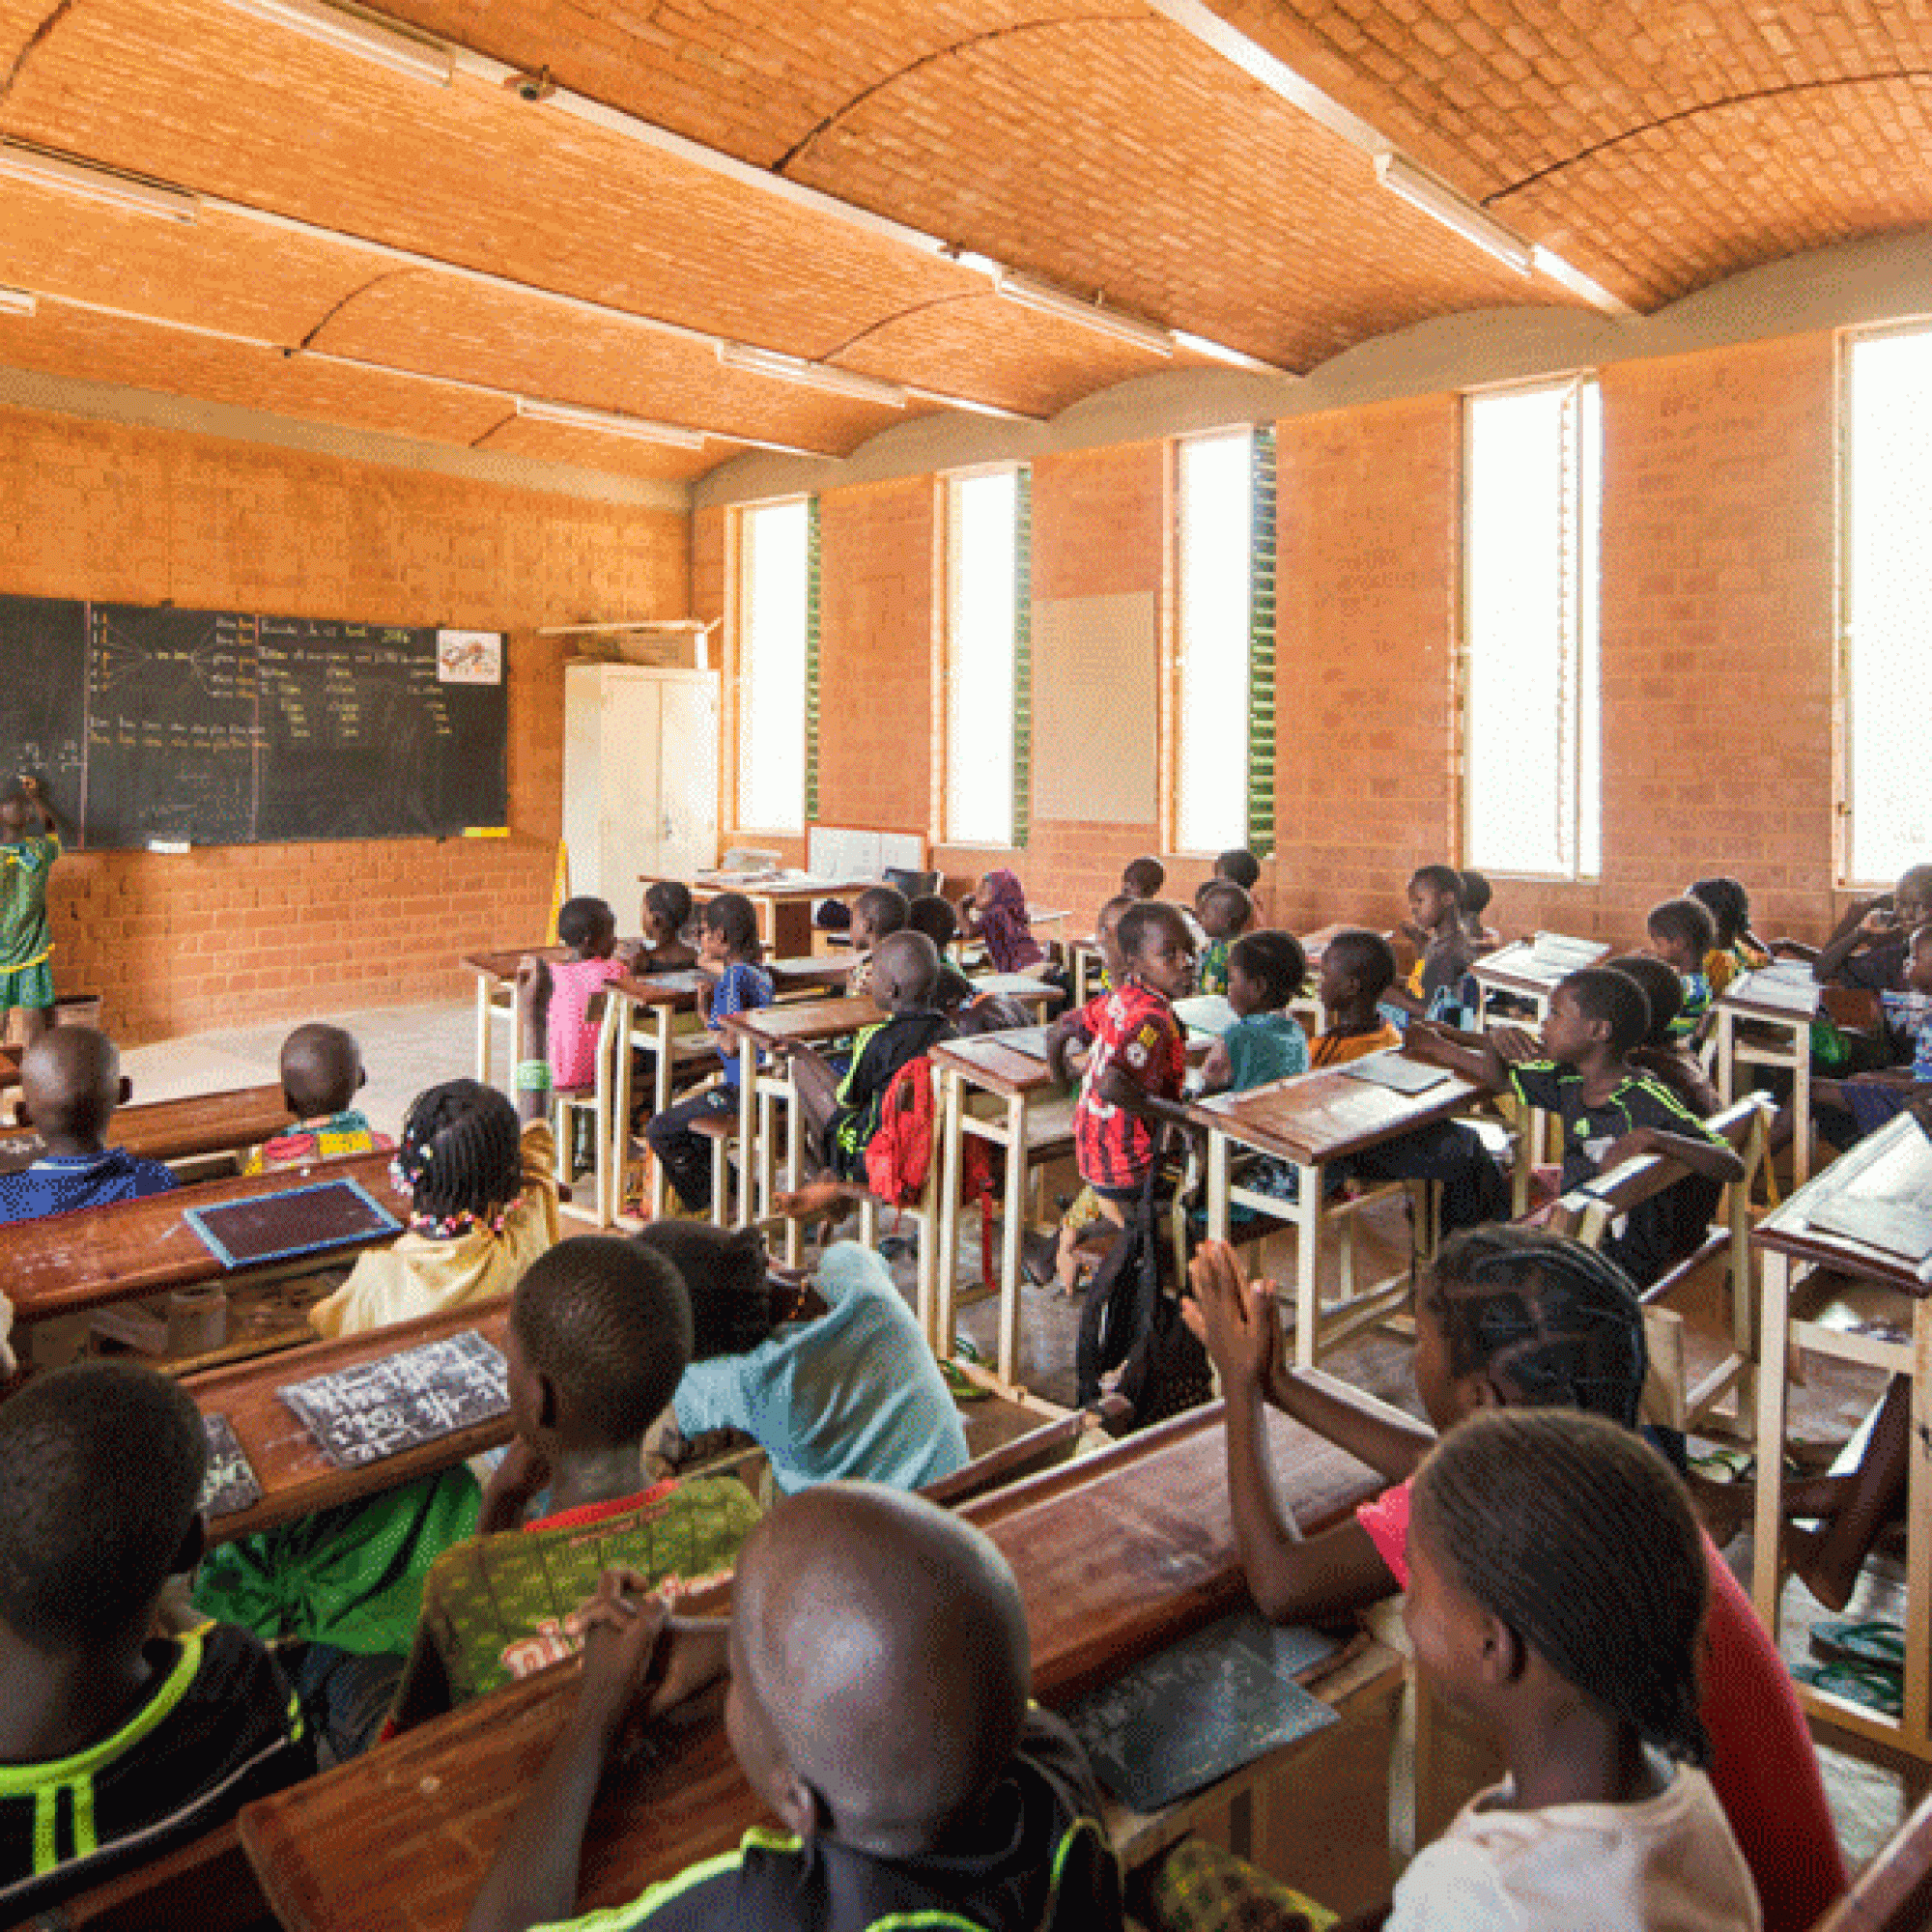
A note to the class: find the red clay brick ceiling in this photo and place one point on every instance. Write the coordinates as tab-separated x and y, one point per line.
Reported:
1091	142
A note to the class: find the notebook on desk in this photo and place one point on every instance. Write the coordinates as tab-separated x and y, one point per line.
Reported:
1887	1202
1393	1071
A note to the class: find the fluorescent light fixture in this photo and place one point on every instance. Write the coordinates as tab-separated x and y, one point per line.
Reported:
1046	300
91	183
1235	359
350	33
750	361
567	415
1441	203
17	301
1577	281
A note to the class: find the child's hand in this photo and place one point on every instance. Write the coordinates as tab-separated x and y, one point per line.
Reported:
623	1628
513	1484
1235	1322
627	952
1516	1044
1879	922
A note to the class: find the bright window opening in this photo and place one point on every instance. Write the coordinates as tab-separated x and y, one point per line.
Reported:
771	668
1214	514
982	594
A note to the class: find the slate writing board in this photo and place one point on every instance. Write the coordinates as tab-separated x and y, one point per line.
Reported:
221	728
1198	1711
297	1221
401	1402
230	1485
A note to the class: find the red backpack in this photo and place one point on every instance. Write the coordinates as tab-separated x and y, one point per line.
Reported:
899	1157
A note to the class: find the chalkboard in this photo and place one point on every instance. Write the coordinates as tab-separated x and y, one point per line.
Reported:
1197	1712
221	728
400	1402
296	1221
230	1484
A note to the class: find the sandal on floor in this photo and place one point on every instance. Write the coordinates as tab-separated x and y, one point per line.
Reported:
961	1387
1858	1684
1726	1465
1876	1645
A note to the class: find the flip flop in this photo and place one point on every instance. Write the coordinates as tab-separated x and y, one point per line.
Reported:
962	1387
1857	1684
1876	1645
1725	1465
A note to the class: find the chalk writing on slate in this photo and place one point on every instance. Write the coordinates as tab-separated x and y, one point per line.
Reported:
401	1402
230	1485
1195	1713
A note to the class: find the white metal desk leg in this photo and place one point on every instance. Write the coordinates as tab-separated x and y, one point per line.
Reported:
660	1099
1307	1262
794	1176
748	1124
483	1024
952	1094
1012	1234
1800	1108
1727	1048
1218	1162
1775	1348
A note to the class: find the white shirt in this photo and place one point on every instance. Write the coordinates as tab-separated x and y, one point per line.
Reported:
1667	1863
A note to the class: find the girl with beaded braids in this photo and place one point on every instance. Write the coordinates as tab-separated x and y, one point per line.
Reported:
1557	1586
482	1194
1506	1318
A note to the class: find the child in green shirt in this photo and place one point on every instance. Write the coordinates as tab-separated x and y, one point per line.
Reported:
29	844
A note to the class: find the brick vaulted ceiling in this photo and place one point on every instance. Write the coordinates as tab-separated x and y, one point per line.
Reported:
378	251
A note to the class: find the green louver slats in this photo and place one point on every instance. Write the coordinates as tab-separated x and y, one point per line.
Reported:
1260	650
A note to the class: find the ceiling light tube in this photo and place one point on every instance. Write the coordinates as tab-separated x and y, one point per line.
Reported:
17	301
568	415
748	360
1235	359
352	34
1046	300
1461	217
91	183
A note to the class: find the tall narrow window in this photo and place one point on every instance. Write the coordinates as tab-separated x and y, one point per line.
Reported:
1533	789
1886	593
773	607
985	611
1215	511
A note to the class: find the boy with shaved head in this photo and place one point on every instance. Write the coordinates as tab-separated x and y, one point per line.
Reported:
878	1670
321	1073
72	1082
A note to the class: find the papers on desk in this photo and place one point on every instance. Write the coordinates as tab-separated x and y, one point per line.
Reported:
1393	1071
1200	1710
230	1485
1563	955
401	1402
1887	1201
686	980
1788	987
1205	1012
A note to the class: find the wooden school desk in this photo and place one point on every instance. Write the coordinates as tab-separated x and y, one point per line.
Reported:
1310	1121
192	1128
296	1477
646	1011
1531	972
1895	1163
1033	1118
811	976
1117	1556
73	1264
497	998
782	900
801	1023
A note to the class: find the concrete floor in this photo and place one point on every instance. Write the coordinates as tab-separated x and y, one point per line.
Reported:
405	1049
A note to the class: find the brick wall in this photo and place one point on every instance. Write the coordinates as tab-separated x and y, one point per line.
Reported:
1718	558
98	510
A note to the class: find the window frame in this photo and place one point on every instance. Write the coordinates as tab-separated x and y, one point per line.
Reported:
1173	709
1589	572
741	565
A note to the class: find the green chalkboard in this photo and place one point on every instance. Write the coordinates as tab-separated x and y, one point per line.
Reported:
223	727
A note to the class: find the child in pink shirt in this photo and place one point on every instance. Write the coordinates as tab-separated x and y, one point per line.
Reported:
589	928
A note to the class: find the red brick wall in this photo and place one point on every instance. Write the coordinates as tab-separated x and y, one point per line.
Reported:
97	510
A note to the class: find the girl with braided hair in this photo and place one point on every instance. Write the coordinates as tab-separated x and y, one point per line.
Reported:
482	1194
1558	1587
1507	1318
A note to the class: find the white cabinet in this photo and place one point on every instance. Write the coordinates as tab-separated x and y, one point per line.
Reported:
640	778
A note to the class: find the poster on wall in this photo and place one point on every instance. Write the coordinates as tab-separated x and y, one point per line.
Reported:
469	657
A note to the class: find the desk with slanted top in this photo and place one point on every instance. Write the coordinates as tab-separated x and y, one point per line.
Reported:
1310	1121
775	1029
645	1012
1034	1119
1764	1019
188	1130
73	1264
496	996
1797	1258
296	1478
1117	1556
1531	969
811	976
